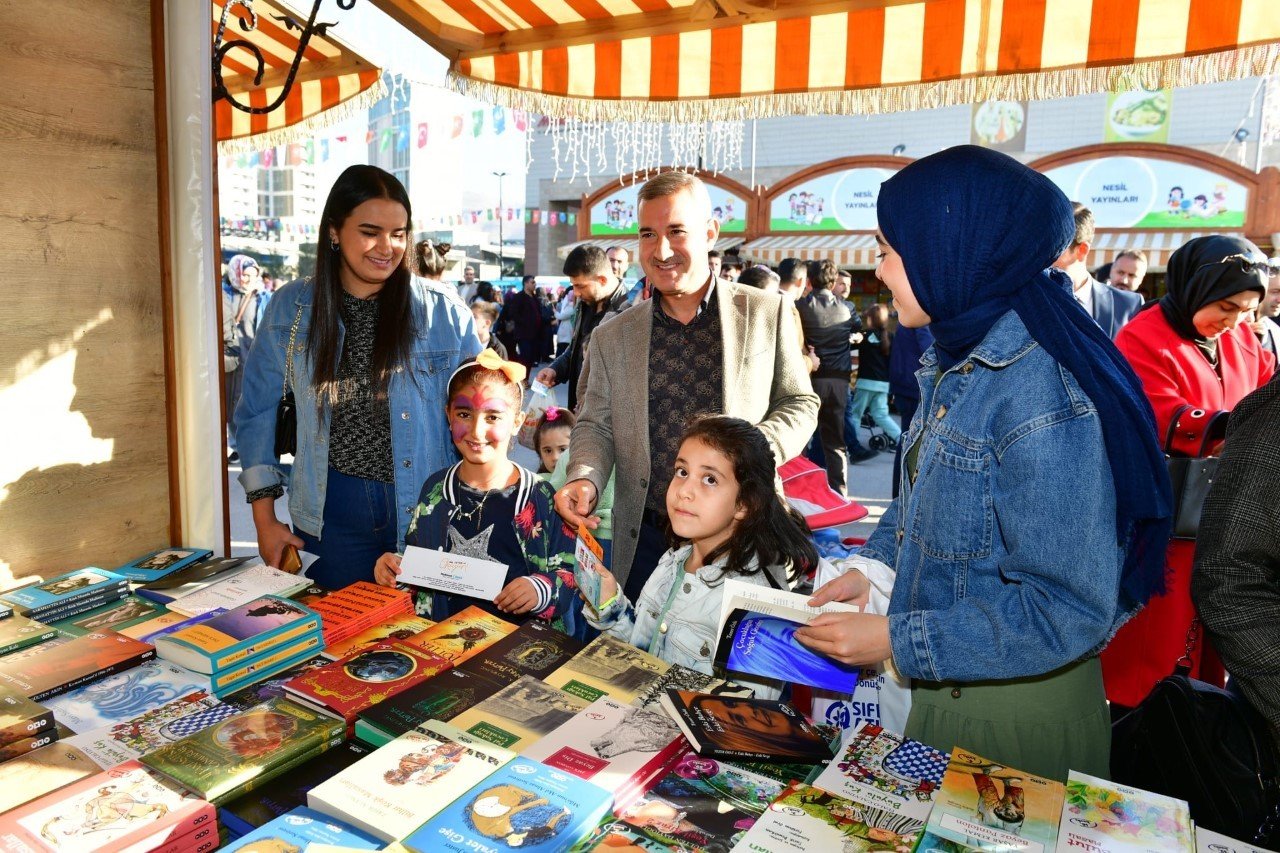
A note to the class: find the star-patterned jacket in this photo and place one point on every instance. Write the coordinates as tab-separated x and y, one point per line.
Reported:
545	543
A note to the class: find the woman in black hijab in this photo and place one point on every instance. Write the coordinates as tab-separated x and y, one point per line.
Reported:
1197	358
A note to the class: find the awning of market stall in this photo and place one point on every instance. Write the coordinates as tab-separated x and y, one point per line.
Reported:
695	60
723	244
848	251
331	79
1156	245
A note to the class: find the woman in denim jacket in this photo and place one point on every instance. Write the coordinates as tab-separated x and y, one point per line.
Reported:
1034	503
371	348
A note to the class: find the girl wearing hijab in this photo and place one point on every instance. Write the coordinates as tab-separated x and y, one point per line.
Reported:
1197	359
1034	503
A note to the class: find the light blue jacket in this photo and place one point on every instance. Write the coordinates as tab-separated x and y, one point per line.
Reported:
420	439
1005	545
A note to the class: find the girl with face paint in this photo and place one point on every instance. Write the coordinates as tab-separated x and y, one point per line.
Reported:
490	508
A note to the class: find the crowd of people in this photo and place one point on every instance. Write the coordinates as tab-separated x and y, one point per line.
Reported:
1031	574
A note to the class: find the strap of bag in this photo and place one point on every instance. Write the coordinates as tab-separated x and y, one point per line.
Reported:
288	354
1173	427
1183	664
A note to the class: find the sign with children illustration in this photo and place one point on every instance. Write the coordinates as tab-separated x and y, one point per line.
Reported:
1137	192
836	201
615	213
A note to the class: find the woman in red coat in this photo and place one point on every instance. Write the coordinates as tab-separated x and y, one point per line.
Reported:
1197	358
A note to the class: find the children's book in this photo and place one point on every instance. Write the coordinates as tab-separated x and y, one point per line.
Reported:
18	632
133	738
158	564
124	808
289	790
52	668
303	829
535	649
35	774
1098	814
441	697
731	728
985	806
20	718
892	776
348	611
679	677
399	786
348	686
124	695
520	713
608	667
115	616
765	646
234	756
229	592
239	634
463	635
618	747
524	806
400	627
805	819
62	593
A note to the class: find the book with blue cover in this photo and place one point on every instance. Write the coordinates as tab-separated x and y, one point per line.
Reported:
58	595
302	827
218	644
158	564
124	695
525	805
261	667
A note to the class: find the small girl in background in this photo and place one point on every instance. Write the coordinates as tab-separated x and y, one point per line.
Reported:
486	314
727	521
490	508
551	437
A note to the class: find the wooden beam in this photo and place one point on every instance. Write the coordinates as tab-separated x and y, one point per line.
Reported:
347	63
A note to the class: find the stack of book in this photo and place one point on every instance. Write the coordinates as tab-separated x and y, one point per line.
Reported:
64	663
245	644
400	627
352	609
17	632
68	595
155	565
24	725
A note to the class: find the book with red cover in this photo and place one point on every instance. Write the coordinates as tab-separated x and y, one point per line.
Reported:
128	807
349	685
348	611
51	669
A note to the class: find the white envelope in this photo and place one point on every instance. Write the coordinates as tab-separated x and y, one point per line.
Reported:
452	573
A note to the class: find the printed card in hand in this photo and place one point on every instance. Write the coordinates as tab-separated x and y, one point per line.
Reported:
587	565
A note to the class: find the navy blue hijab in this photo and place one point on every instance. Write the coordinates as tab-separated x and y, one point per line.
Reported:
977	231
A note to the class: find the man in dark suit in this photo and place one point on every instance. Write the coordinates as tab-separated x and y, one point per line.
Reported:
1110	308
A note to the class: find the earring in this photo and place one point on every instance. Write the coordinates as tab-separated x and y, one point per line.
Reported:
333	244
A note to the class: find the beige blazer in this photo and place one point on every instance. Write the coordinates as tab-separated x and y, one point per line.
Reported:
766	382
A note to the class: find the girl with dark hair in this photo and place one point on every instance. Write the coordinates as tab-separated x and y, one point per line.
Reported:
726	520
365	347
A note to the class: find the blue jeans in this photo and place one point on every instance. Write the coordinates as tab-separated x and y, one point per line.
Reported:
875	395
359	527
851	427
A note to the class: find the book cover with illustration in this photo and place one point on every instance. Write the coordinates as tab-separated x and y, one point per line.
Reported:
133	738
523	806
232	590
237	754
53	668
535	649
894	777
301	829
463	635
400	627
124	695
238	634
21	718
396	788
618	747
18	632
983	805
126	807
159	564
52	596
116	616
682	678
35	774
289	790
365	678
1098	814
608	667
360	605
520	713
804	819
441	697
165	623
738	729
764	646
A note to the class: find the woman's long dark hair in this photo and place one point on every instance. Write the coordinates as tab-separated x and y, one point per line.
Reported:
394	336
770	531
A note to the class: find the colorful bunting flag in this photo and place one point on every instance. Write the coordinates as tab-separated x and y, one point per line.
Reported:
422	134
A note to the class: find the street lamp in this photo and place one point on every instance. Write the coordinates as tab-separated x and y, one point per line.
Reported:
500	176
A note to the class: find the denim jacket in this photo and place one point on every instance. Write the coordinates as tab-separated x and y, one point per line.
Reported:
1005	545
420	439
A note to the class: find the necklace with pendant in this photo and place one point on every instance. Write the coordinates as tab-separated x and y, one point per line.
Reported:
471	514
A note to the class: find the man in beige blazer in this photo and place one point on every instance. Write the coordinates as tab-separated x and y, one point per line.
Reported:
698	346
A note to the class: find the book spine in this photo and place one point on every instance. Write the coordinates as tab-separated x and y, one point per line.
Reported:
28	728
257	664
257	645
28	641
103	672
67	609
371	734
262	674
175	836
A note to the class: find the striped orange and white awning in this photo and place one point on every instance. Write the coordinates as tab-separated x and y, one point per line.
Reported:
849	251
330	76
631	244
1156	245
692	60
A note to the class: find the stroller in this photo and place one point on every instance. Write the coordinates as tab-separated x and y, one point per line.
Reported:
879	439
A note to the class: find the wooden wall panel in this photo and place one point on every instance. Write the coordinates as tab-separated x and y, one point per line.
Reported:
83	442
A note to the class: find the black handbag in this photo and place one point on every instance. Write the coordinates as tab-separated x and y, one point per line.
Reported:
1191	476
1196	742
286	409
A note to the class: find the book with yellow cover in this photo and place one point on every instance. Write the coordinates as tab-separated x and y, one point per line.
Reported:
608	667
239	634
463	635
400	627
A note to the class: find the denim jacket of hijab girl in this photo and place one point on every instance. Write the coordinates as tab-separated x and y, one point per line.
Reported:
420	439
1006	553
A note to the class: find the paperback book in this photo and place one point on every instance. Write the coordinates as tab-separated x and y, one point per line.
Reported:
608	667
535	649
395	789
158	564
441	697
1098	814
115	616
238	634
301	829
166	623
679	677
20	718
193	577
133	738
400	627
18	632
348	611
985	806
733	729
520	713
51	668
35	774
805	819
1208	841
271	686
524	805
124	695
765	646
238	754
15	748
229	592
348	686
463	635
252	670
67	593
